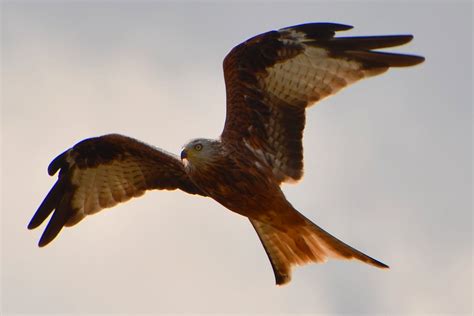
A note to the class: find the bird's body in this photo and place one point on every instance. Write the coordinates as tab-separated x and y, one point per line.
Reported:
229	175
270	81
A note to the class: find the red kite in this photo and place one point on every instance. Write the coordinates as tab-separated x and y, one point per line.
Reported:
270	81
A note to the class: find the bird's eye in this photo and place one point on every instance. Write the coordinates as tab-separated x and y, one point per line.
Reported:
197	147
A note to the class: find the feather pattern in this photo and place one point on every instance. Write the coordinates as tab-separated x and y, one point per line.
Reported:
272	78
301	244
101	172
270	81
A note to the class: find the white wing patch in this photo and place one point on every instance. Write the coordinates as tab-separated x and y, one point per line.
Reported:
271	161
312	76
105	186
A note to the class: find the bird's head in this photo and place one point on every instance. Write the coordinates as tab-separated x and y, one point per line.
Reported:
200	151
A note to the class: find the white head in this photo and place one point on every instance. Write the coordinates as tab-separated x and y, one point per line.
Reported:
200	151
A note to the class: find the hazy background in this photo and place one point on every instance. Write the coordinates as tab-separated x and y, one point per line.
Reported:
388	161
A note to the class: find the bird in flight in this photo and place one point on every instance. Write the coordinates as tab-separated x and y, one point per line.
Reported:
270	81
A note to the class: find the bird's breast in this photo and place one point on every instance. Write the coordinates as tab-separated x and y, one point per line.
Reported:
241	188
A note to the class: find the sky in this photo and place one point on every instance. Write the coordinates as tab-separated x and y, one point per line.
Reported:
388	161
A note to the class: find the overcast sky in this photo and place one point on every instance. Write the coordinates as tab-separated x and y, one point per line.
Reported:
388	161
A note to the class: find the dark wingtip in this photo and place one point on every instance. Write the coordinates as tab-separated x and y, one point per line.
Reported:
41	214
339	26
418	59
393	40
321	26
32	225
49	203
330	26
408	38
54	226
386	59
407	60
57	163
44	241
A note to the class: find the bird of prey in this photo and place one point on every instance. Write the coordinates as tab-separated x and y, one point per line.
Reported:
270	81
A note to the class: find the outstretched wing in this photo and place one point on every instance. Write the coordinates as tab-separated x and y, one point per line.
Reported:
100	172
272	78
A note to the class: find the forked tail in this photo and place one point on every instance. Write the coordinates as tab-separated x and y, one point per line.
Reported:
303	244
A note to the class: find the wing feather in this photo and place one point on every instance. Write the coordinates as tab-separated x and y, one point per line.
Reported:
101	172
273	77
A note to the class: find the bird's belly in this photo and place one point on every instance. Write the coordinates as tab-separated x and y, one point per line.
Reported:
257	202
245	190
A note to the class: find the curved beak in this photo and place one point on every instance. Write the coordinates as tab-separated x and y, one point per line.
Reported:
184	154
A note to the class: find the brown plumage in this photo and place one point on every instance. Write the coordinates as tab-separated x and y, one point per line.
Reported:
101	172
270	81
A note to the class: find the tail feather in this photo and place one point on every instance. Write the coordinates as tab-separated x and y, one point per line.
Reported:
303	244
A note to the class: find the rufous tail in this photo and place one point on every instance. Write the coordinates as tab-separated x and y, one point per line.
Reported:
303	244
